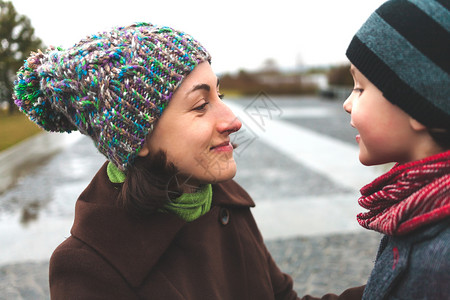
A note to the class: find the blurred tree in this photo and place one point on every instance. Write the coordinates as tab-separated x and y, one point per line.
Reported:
17	40
340	76
270	65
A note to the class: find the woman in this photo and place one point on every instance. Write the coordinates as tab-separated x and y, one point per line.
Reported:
162	219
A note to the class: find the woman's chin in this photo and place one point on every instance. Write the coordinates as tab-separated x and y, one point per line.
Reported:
224	174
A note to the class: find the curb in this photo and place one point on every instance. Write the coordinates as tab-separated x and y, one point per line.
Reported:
25	156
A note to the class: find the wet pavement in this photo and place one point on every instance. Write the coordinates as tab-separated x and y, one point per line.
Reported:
296	157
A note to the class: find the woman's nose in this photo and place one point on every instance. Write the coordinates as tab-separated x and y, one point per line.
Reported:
228	122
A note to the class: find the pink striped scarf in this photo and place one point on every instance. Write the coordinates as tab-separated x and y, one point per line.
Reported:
408	196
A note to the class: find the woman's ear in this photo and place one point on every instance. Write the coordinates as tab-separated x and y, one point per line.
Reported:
416	125
144	150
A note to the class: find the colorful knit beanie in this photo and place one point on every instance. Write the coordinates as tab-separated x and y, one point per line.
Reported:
111	86
404	50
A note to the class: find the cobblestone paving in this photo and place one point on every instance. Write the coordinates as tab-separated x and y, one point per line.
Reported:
24	281
326	264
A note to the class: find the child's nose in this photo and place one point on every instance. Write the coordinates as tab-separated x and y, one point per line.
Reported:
348	104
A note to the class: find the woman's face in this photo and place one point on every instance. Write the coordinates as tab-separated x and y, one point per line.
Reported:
194	130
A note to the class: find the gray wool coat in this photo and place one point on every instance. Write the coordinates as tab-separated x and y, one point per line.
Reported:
414	266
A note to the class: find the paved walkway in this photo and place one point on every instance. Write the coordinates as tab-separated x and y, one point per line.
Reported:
318	265
290	157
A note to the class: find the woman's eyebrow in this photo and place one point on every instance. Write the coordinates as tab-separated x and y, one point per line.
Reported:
201	86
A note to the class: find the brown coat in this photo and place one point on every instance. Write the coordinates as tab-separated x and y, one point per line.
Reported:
111	255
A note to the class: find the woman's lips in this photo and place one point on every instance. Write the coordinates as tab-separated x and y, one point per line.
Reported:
224	147
358	138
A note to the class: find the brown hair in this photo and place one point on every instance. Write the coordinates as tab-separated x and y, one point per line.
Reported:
149	185
441	137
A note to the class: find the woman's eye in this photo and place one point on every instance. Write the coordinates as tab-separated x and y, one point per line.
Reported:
201	107
221	96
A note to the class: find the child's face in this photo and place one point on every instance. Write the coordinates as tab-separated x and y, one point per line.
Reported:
385	132
194	130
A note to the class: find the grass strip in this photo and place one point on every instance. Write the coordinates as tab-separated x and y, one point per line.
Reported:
15	128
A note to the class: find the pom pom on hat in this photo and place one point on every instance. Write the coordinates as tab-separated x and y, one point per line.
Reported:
111	86
30	97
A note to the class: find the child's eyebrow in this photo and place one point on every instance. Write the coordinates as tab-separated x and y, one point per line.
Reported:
352	70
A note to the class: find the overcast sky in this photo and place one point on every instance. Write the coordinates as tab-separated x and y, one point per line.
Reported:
239	34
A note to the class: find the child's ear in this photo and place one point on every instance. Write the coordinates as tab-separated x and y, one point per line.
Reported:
416	125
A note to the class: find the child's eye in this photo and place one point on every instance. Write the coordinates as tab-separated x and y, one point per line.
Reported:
358	90
201	107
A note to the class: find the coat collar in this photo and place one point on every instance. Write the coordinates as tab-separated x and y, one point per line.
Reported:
133	246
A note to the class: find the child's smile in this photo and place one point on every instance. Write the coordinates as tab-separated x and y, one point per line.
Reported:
385	133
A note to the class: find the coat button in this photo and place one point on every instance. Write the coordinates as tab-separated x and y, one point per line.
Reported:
224	216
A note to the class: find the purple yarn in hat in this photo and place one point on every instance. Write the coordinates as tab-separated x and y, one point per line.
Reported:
111	86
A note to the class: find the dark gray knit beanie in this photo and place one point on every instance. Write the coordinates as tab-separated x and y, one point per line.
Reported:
404	50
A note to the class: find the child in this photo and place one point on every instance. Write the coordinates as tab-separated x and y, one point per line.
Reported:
400	106
162	219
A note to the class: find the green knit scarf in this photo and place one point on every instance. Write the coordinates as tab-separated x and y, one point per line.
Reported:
189	206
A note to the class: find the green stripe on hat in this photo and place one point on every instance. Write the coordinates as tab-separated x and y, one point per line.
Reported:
435	10
394	89
410	65
425	33
444	3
